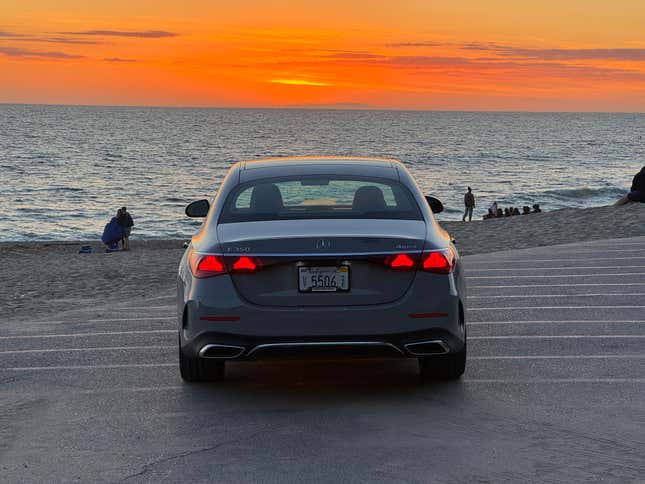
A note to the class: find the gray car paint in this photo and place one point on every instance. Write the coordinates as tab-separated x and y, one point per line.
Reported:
428	293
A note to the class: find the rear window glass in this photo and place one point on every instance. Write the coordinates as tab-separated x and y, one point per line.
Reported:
318	197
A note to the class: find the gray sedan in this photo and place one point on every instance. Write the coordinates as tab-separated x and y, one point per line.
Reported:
320	257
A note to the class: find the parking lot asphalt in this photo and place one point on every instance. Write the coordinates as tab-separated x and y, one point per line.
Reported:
554	391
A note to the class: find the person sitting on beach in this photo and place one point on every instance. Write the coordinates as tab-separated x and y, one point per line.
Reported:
492	210
500	212
536	208
637	193
516	211
526	210
507	212
126	223
112	233
469	202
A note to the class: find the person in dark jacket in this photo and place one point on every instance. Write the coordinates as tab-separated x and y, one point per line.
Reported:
637	193
469	202
126	223
112	233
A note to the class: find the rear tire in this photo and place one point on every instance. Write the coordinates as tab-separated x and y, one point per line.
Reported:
443	367
200	369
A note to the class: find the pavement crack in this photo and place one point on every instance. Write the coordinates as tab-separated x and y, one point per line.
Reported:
180	455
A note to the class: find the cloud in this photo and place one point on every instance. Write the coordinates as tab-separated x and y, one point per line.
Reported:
145	34
5	34
558	54
620	54
420	60
51	40
528	53
423	43
119	59
18	52
353	55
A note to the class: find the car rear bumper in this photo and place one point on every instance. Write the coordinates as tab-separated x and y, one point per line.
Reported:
230	346
214	314
382	330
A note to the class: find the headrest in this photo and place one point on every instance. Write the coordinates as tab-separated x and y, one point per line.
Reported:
266	198
369	199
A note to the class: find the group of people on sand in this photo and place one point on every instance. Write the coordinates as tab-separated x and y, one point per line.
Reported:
494	211
118	230
636	194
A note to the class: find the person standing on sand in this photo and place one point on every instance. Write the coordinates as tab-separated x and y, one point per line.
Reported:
469	201
126	223
637	193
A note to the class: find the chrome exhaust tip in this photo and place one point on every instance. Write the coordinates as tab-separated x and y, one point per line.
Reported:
215	351
428	348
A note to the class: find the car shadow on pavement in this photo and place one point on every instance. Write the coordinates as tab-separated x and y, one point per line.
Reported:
343	379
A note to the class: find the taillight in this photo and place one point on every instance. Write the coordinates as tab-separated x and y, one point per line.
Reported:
400	262
210	265
245	264
438	261
206	265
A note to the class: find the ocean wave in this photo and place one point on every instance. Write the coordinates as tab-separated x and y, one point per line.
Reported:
582	193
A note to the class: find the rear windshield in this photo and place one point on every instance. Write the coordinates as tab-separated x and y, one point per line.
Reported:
316	197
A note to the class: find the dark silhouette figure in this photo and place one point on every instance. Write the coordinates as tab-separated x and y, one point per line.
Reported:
126	223
469	202
637	193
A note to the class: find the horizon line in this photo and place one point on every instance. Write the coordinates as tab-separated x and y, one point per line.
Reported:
315	107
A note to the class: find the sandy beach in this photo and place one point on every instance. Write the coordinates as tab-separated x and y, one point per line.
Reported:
48	278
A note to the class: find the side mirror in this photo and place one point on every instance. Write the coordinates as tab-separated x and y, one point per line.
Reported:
435	205
198	208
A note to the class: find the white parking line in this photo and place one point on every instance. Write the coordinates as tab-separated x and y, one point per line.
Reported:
109	320
491	260
495	296
560	357
554	380
553	276
172	306
90	367
90	349
560	336
574	250
553	307
82	335
573	321
169	388
172	388
589	284
491	269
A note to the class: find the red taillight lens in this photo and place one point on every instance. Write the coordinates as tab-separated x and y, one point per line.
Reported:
439	262
244	264
206	265
400	262
210	265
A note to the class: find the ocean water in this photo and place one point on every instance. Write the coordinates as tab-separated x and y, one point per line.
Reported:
64	170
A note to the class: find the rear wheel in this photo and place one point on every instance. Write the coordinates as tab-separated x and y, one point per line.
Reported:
200	369
445	367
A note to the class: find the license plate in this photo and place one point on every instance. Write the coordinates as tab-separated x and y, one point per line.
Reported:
323	279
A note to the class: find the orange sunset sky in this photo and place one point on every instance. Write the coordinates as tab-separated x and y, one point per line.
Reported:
542	55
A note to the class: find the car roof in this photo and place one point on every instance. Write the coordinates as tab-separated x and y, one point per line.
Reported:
318	165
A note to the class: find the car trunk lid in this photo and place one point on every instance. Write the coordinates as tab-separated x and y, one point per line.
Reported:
358	248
